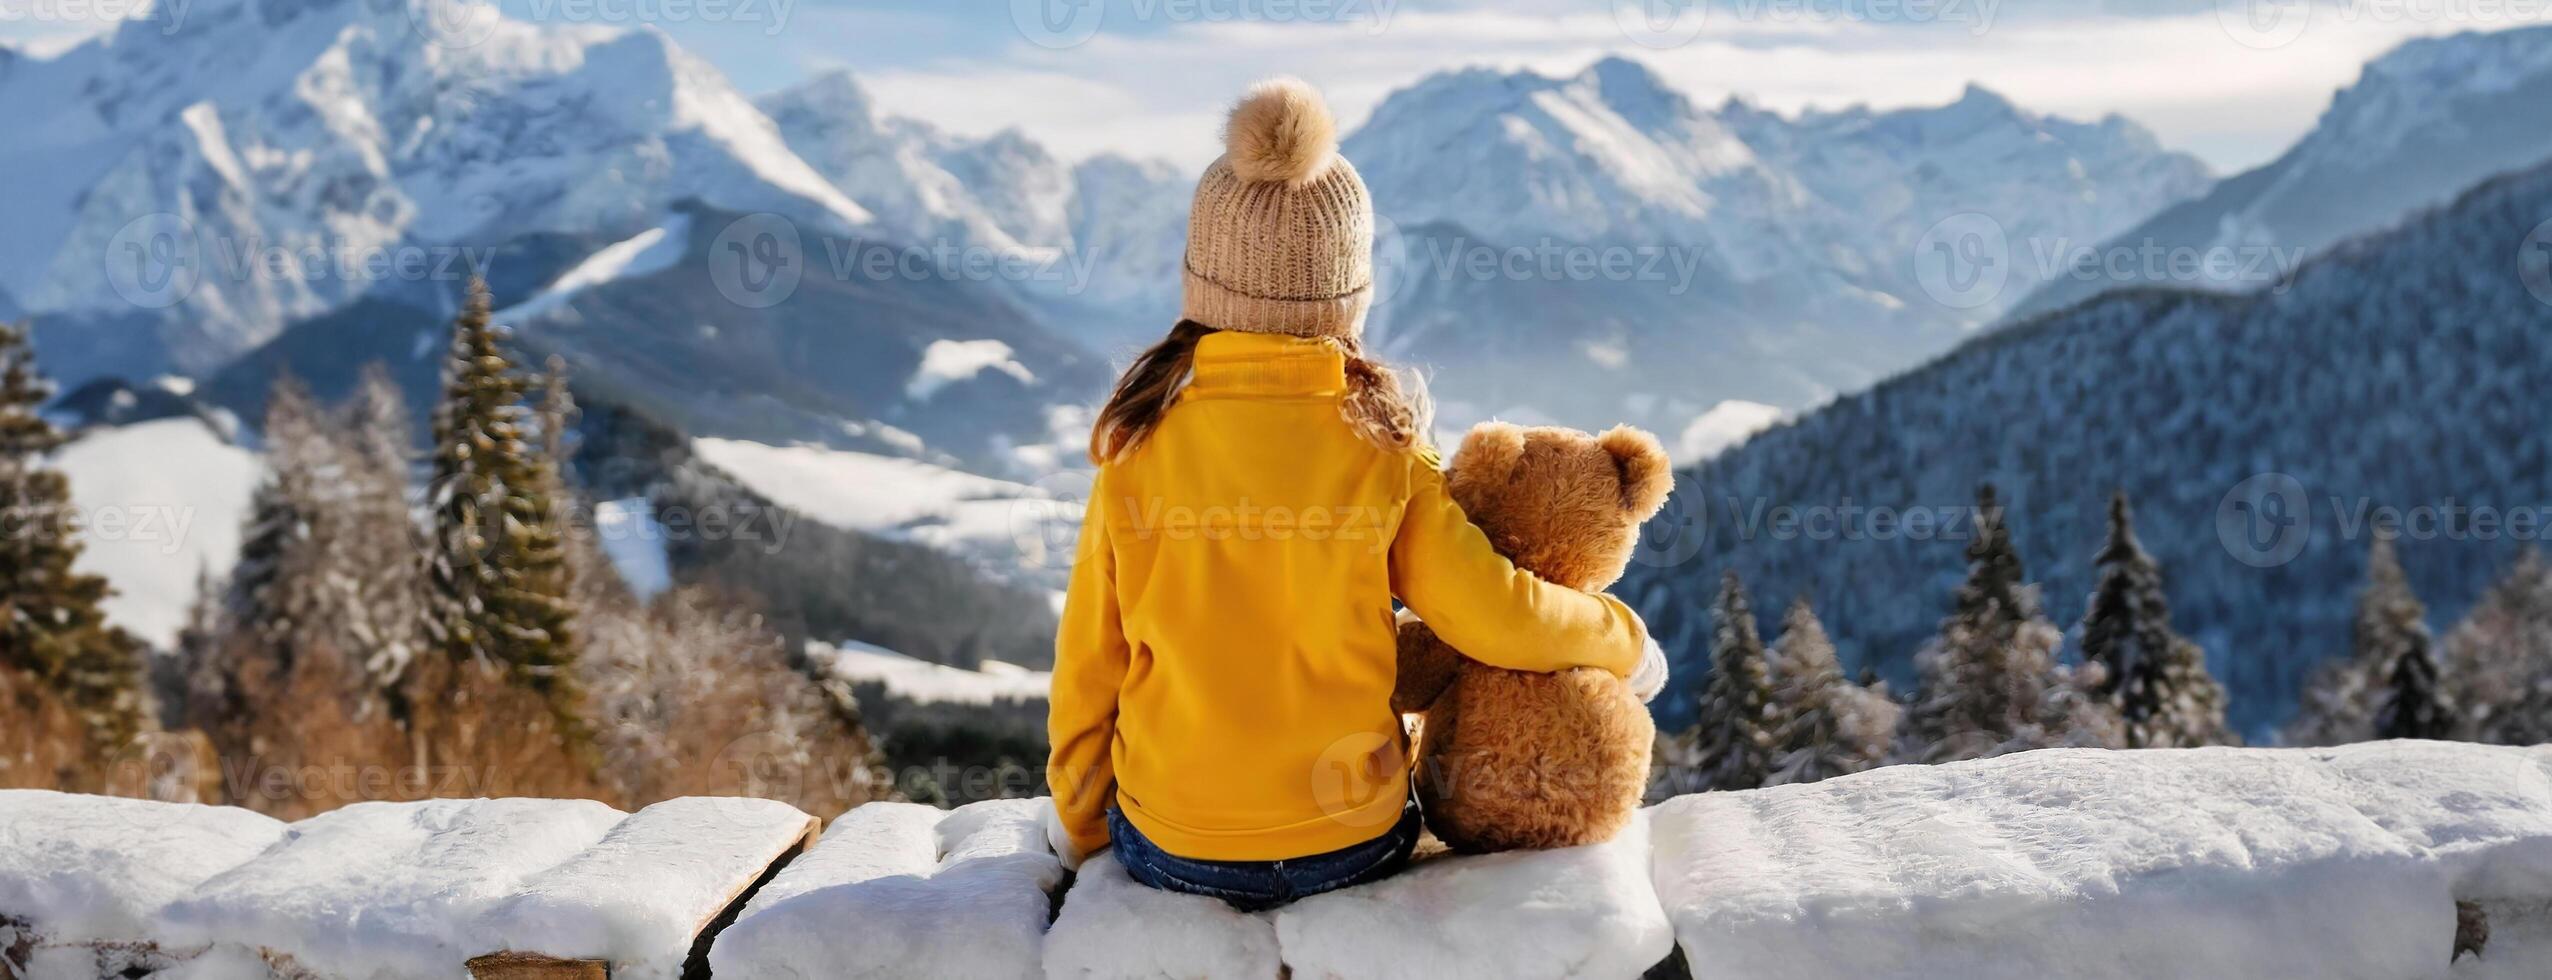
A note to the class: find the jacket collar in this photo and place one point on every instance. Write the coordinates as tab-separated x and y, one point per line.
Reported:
1230	362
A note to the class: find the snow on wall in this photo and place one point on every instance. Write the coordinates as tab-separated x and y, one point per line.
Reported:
2333	863
95	868
2336	863
960	893
638	896
1572	912
377	891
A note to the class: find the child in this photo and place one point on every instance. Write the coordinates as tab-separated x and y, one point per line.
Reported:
1222	690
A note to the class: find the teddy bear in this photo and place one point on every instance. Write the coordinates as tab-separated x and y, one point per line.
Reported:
1510	760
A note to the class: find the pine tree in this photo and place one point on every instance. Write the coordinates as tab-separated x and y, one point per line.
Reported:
2156	680
2394	643
497	572
2389	686
274	596
1997	589
1991	683
50	624
2499	658
384	584
1734	744
1828	726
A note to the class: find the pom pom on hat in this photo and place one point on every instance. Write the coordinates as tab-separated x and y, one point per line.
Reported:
1281	132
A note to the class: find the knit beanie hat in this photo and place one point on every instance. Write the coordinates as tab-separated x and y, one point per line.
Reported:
1280	239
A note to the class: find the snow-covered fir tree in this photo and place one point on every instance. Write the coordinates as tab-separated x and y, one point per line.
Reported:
2392	636
2390	685
277	593
50	625
2155	678
383	601
1827	725
1991	683
1733	746
2498	662
497	572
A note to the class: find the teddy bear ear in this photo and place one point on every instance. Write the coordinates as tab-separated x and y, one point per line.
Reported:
1647	475
1490	451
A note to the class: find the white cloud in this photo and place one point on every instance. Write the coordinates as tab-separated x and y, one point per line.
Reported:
1723	427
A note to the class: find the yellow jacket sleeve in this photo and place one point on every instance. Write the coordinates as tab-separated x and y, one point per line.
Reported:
1089	665
1444	569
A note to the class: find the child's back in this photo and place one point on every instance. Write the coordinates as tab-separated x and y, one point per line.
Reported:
1225	667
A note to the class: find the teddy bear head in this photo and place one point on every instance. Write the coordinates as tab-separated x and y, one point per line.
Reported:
1563	504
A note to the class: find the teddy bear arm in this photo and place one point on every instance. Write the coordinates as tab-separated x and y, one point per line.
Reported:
1427	666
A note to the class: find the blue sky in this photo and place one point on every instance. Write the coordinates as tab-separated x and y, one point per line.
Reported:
2233	81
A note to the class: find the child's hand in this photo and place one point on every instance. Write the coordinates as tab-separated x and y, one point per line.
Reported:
1060	839
1649	679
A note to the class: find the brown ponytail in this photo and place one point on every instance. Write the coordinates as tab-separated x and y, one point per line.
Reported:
1143	395
1382	410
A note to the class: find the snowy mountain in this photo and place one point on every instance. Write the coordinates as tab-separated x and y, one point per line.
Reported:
1113	228
183	189
1763	257
2432	117
884	364
2399	378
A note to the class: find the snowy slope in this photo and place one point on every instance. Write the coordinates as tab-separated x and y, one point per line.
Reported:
345	128
998	521
2401	372
2422	123
162	501
921	680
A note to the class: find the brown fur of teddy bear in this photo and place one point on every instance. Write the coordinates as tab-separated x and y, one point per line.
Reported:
1509	760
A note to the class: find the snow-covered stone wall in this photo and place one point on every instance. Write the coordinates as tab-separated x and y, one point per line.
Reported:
2385	861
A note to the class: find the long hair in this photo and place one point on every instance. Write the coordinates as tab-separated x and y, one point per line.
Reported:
1384	409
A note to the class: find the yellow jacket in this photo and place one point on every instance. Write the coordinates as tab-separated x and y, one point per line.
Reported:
1226	658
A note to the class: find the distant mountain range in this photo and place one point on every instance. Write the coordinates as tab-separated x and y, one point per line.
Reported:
2259	436
1764	257
187	193
2422	123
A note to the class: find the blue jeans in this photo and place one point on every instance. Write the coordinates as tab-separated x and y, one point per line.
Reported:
1254	885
